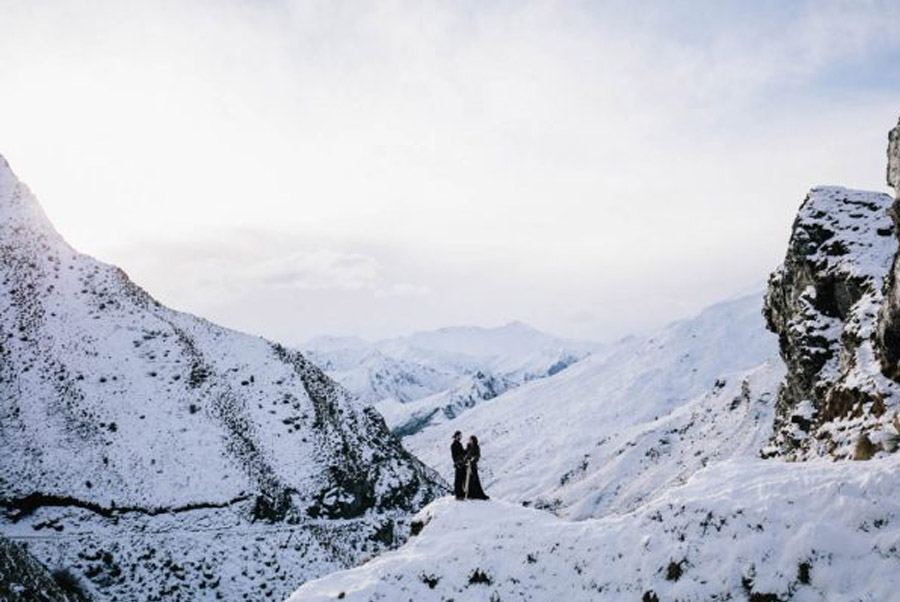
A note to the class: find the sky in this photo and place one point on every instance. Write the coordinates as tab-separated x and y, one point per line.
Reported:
293	169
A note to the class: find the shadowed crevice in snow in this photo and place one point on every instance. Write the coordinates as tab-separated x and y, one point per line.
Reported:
21	507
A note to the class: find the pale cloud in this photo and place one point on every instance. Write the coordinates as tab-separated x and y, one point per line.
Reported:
403	165
404	289
321	269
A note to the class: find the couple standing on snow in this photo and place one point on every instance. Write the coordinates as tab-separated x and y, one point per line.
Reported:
466	484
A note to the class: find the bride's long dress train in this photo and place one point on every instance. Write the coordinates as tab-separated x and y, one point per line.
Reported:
473	488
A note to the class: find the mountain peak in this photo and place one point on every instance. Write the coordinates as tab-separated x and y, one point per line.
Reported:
19	209
518	325
8	179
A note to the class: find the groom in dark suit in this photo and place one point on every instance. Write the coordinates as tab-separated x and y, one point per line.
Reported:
459	466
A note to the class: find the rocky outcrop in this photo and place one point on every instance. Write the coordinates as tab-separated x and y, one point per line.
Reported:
889	324
164	457
893	160
831	305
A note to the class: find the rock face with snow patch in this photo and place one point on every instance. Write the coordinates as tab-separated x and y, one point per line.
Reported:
833	305
151	450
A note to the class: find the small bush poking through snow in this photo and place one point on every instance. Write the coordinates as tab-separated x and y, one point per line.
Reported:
674	570
865	449
803	573
416	527
69	583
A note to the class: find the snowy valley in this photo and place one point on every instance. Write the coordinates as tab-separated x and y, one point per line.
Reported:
745	453
712	461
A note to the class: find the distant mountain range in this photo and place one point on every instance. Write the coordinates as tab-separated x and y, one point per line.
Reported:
427	378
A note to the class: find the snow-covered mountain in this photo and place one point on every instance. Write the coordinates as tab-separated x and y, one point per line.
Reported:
161	457
427	378
641	406
514	346
374	376
693	465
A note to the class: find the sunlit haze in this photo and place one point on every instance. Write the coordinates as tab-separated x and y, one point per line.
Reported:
302	168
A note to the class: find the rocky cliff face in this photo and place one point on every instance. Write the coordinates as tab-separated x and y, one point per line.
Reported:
889	325
893	158
832	303
163	457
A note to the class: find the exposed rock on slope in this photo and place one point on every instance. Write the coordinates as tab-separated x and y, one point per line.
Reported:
833	304
824	303
150	449
24	579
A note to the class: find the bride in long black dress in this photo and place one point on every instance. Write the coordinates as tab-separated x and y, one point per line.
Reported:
473	487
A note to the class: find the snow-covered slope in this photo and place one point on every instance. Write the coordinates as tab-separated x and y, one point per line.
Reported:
558	442
149	449
427	378
618	440
656	454
415	416
739	530
679	507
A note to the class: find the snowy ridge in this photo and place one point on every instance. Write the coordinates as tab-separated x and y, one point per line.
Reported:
137	438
